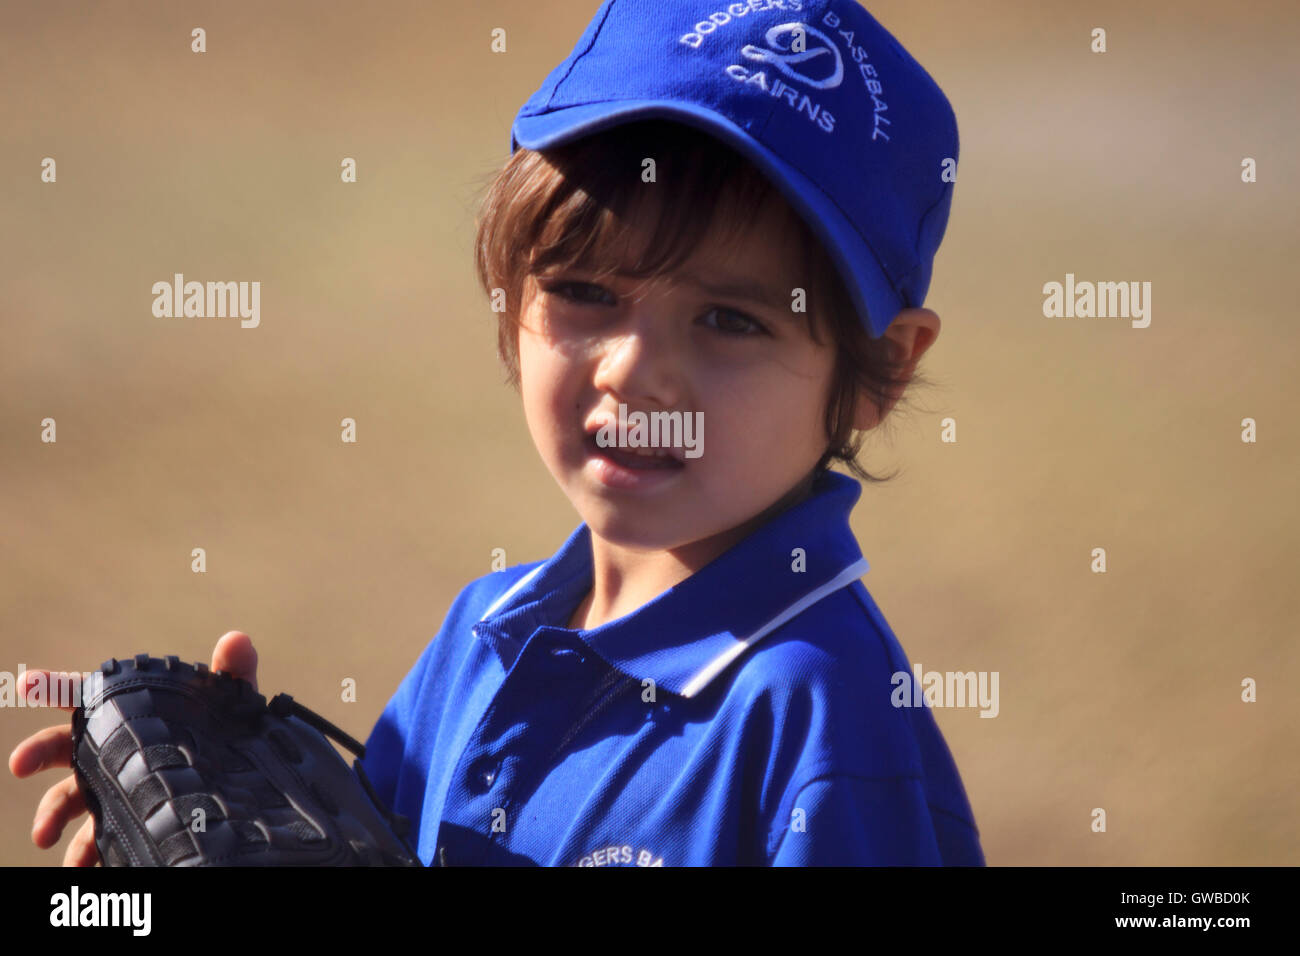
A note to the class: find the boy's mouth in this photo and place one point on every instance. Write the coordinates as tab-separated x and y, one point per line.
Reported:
636	459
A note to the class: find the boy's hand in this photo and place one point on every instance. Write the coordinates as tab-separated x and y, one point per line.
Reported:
52	747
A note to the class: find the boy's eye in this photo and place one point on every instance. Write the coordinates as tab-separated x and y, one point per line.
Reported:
732	322
585	292
727	321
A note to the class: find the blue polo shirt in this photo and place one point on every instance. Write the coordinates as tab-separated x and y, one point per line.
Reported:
742	717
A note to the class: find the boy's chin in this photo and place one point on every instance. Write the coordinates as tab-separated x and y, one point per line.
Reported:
647	528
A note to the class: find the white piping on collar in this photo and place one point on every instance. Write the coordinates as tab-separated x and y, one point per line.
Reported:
517	586
711	670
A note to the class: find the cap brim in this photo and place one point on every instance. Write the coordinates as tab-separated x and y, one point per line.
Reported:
873	294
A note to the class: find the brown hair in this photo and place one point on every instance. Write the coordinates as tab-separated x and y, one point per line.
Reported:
568	208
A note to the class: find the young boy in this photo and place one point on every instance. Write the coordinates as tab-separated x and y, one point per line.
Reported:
697	676
720	219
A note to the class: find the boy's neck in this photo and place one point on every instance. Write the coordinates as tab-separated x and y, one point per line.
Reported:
624	580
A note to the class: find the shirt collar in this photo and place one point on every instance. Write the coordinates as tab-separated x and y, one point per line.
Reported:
687	635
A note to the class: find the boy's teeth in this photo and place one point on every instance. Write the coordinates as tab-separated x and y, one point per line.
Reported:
661	457
647	452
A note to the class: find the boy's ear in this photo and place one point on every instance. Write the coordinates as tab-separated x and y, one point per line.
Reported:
911	333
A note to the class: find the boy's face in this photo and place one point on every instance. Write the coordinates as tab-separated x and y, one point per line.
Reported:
667	344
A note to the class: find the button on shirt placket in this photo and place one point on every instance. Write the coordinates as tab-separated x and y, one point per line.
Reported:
537	704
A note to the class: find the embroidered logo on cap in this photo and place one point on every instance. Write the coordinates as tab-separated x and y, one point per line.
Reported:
796	51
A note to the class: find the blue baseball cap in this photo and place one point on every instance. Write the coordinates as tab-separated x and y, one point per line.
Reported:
817	94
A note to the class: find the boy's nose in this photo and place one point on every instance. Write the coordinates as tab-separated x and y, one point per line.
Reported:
642	365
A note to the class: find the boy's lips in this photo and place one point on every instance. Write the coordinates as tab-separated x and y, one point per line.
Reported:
619	470
650	459
630	469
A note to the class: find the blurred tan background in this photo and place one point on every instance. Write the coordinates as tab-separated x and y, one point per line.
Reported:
1119	691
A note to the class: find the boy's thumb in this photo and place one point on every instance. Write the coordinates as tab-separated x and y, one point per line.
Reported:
234	653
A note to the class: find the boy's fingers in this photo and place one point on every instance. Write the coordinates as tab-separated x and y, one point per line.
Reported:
61	803
48	747
82	850
234	653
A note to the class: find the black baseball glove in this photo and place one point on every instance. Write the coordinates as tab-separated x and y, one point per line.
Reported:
183	766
